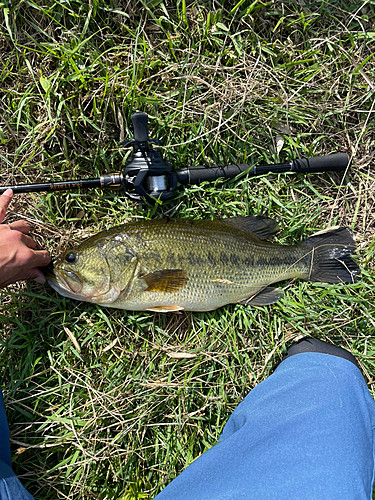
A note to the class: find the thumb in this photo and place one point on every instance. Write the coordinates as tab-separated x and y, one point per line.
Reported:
5	199
36	275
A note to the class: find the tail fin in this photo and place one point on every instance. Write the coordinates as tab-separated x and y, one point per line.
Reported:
331	262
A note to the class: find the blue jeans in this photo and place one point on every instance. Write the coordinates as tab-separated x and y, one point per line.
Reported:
306	432
10	486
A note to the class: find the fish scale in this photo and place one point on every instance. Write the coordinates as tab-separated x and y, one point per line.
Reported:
212	260
170	265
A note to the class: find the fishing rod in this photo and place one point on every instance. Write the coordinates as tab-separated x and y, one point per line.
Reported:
147	176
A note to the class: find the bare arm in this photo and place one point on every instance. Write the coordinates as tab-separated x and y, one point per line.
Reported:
18	258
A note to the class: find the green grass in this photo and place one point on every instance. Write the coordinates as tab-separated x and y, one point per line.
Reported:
106	404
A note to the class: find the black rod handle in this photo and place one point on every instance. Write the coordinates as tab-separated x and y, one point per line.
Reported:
196	175
331	163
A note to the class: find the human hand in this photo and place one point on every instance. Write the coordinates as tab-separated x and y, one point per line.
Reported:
18	258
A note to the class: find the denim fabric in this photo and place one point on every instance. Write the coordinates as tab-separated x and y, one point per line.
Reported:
10	486
306	432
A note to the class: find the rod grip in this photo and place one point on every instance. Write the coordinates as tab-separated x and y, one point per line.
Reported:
331	163
140	121
196	175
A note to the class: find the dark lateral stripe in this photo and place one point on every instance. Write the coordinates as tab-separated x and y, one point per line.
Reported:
281	259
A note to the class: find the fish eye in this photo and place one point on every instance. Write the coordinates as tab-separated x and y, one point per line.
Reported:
70	257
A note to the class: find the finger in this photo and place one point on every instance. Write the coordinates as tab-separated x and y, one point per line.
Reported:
28	241
20	225
40	258
5	199
36	275
29	271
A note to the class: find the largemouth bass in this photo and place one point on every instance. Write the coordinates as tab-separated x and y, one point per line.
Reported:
172	265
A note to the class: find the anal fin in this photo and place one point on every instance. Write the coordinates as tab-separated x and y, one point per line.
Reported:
165	309
268	295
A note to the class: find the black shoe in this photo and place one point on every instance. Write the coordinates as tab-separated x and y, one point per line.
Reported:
310	344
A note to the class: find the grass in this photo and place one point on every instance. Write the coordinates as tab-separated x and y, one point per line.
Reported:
105	404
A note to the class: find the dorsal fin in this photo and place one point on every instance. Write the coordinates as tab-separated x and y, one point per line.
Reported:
261	226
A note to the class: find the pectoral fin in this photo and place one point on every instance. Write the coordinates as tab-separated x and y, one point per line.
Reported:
261	226
166	280
165	309
267	296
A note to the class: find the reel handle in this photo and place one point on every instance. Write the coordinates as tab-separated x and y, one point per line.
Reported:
140	126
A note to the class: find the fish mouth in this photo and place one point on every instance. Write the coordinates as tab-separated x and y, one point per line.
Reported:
55	278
